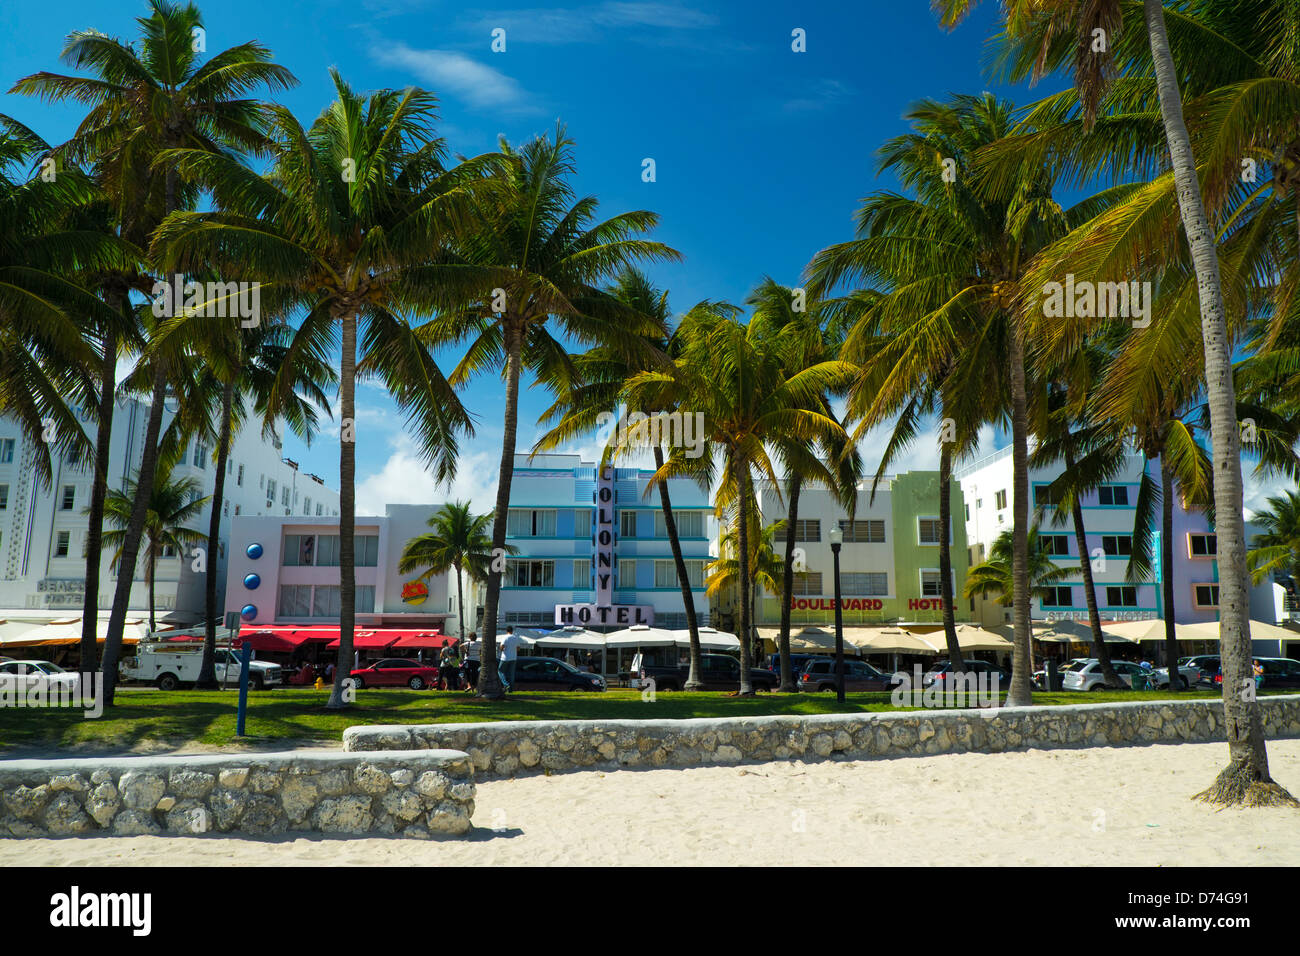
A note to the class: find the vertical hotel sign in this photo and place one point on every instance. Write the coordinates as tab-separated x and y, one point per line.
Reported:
604	611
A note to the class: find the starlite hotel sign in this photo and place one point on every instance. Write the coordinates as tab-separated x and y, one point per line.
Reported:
604	611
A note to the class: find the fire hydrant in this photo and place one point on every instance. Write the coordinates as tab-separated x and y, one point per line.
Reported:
320	683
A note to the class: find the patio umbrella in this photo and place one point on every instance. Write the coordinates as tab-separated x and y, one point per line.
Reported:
1259	631
1150	630
640	635
889	640
572	636
820	640
710	639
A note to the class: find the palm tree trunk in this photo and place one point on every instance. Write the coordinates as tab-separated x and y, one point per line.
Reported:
489	683
1167	566
98	492
347	513
151	569
134	532
207	670
1021	692
1246	777
1099	650
460	604
945	557
693	681
788	685
742	536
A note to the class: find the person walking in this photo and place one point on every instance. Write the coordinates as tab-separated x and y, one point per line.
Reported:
449	667
473	655
507	657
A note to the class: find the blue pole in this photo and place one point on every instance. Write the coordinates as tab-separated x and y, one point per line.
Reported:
243	687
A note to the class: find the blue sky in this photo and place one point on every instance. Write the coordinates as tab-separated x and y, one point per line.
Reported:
761	153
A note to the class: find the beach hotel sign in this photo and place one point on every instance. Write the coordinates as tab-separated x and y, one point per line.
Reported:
604	611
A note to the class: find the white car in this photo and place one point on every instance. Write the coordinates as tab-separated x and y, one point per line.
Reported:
24	674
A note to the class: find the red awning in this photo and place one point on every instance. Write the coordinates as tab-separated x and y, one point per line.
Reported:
367	640
267	639
423	641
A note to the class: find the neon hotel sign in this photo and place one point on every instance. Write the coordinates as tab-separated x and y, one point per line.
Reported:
604	611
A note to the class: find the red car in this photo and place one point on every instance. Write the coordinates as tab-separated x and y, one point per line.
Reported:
396	672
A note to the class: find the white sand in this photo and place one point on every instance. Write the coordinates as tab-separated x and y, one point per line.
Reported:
1126	806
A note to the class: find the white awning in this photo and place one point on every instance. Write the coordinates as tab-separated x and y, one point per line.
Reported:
710	639
641	635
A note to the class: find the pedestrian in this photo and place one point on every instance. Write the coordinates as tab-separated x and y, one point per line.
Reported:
449	667
1258	671
473	652
506	658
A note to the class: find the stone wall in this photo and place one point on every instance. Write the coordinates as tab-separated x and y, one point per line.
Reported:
415	795
509	748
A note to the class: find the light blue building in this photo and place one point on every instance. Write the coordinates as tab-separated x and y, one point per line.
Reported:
554	523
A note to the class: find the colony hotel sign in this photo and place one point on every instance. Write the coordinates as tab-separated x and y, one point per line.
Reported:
604	611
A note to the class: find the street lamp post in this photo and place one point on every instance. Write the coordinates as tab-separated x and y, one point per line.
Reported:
837	538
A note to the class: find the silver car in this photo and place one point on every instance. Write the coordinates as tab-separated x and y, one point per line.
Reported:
1088	676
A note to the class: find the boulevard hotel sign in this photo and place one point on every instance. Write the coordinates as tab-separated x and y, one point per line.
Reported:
604	611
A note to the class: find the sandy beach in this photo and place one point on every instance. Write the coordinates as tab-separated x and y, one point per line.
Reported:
1125	806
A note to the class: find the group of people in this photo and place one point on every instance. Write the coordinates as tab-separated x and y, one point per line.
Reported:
459	665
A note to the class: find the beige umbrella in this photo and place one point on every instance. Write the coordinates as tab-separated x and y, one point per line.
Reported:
971	637
819	640
890	640
1150	630
1259	631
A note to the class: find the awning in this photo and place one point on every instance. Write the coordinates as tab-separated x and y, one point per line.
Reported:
1259	631
423	641
640	635
366	640
970	637
572	636
267	640
67	631
1152	630
710	639
1062	632
888	640
813	639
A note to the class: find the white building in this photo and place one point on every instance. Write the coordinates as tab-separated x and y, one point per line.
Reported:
43	530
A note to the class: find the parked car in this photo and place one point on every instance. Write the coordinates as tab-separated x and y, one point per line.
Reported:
396	672
25	674
941	671
169	665
819	675
1189	676
1207	665
1280	673
549	673
1039	678
1089	675
720	672
797	663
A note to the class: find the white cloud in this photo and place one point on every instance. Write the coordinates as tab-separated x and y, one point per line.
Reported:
405	479
588	24
449	71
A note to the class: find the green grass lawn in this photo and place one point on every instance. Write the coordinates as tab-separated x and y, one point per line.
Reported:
208	717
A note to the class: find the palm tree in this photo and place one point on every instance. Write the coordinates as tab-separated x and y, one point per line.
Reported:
1277	548
995	577
600	375
767	568
754	409
171	505
809	333
1246	778
142	101
534	266
459	540
346	226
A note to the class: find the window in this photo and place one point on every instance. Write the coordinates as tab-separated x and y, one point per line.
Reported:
1059	597
1043	496
1121	596
863	532
6	451
1117	544
261	481
1116	495
1057	545
239	476
582	523
804	530
284	497
666	574
367	553
1198	545
527	523
299	550
864	583
327	553
295	600
365	599
928	530
306	506
968	512
930	584
627	524
1000	499
690	524
200	455
808	582
582	574
319	509
168	551
530	574
69	498
225	507
1207	595
4	497
61	544
626	573
325	602
270	491
237	509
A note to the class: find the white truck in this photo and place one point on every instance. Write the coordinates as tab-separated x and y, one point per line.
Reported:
168	665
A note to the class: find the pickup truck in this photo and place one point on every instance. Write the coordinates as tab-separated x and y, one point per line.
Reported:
719	672
168	666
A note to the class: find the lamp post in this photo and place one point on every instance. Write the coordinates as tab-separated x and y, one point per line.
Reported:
837	538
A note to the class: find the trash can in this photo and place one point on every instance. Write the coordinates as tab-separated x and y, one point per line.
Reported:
1139	681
